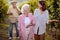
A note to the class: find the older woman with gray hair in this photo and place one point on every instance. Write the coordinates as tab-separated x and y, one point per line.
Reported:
26	23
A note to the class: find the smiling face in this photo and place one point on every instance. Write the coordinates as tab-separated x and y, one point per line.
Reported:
14	4
42	5
39	5
27	10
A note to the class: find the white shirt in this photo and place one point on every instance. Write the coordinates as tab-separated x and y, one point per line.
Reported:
41	20
27	22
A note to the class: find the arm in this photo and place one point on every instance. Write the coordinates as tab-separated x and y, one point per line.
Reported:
18	10
9	14
49	21
32	23
54	21
33	20
9	11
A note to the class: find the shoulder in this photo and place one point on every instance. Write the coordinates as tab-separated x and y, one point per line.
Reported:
30	13
10	7
46	11
36	9
20	16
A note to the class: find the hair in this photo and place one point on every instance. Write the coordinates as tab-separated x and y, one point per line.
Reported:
43	5
24	7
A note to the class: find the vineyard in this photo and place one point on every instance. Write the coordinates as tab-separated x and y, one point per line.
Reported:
53	6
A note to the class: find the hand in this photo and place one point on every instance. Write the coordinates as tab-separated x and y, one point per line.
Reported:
53	20
32	24
10	14
28	26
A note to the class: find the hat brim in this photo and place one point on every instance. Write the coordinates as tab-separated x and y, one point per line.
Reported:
13	2
41	0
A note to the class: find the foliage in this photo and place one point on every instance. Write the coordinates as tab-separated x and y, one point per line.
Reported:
33	4
53	7
3	9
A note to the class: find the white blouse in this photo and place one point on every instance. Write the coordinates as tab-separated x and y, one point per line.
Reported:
41	20
27	22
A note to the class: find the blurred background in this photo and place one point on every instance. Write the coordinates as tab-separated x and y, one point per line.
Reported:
53	6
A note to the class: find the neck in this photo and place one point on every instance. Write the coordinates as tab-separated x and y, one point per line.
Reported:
41	11
14	7
26	14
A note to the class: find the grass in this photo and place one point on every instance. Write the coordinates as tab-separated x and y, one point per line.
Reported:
48	37
4	32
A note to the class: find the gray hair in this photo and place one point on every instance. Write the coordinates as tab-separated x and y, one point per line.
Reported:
24	7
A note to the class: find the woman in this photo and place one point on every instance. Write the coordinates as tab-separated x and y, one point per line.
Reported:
42	17
26	23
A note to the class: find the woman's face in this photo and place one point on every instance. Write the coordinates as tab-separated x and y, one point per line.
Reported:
27	10
39	5
14	4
